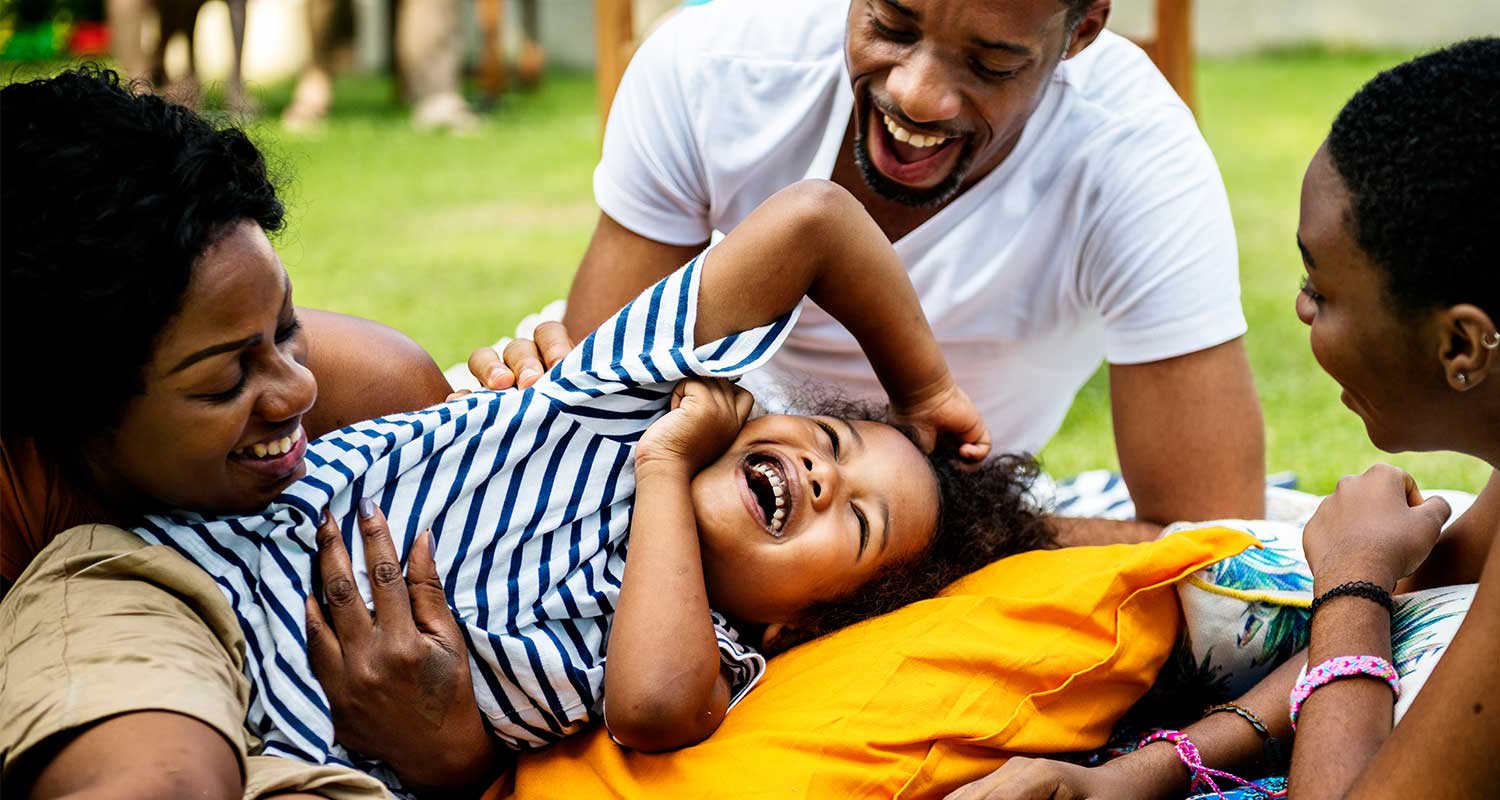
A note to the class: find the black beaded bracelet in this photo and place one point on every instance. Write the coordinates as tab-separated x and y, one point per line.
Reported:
1365	589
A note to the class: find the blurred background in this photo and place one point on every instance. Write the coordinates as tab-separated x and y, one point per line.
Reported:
436	155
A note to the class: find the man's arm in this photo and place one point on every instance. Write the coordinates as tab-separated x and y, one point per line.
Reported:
618	265
1190	436
365	370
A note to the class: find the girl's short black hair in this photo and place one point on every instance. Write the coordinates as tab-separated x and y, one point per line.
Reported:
1418	148
984	514
109	198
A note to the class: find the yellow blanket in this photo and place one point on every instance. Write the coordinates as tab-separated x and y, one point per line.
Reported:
1037	654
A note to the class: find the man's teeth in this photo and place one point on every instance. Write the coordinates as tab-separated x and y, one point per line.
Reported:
901	134
778	490
272	448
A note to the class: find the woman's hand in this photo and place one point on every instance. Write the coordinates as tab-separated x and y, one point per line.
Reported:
1040	779
706	415
398	683
1374	527
946	410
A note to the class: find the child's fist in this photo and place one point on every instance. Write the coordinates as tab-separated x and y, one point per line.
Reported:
706	415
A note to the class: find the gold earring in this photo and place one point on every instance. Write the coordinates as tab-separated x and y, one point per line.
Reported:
1491	340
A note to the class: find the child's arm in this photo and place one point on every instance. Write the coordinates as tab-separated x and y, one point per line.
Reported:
663	684
814	239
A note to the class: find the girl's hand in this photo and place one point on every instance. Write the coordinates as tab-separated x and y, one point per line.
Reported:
1040	779
946	411
706	415
1374	527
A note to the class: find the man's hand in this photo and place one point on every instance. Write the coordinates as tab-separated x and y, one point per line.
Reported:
706	415
524	361
1374	527
398	683
946	411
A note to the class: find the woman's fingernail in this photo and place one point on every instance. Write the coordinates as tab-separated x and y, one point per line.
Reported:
366	508
529	374
493	377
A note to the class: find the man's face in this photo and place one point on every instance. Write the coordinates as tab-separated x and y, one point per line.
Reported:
943	88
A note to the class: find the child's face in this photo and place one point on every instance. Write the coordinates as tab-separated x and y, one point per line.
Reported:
854	496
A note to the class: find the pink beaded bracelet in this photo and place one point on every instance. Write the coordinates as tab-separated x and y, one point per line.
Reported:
1199	776
1342	667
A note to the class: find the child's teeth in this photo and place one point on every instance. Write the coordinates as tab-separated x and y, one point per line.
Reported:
260	450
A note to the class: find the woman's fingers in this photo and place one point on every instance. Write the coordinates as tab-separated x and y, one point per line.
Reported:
524	360
323	650
429	603
387	581
351	621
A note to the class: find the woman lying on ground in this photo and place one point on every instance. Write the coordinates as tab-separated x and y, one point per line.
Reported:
135	255
742	534
1402	296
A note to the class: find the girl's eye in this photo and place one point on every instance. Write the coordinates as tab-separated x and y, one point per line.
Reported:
1312	294
864	527
833	438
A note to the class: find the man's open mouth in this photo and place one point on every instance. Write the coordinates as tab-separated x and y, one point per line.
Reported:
770	490
914	158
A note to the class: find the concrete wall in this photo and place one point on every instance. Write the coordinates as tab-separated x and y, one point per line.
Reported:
276	38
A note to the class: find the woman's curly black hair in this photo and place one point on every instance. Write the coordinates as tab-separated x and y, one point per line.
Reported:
109	198
984	514
1418	148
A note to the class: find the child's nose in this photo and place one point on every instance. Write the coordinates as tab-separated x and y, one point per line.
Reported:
823	478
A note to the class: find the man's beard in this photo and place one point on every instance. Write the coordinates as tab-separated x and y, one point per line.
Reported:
934	197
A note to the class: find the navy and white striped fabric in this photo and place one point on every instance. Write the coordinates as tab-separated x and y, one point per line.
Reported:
529	496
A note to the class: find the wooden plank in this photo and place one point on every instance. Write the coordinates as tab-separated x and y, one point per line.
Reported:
614	40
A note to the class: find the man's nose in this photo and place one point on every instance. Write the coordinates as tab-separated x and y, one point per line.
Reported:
922	88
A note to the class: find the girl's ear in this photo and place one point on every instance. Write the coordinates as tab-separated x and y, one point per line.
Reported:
1465	331
779	638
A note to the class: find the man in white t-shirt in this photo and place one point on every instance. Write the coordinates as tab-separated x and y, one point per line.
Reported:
1049	193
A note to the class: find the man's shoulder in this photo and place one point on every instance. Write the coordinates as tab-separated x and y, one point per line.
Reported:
788	32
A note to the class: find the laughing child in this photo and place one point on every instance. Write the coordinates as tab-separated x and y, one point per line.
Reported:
741	533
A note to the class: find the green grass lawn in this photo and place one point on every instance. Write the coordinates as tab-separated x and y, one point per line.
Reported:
453	239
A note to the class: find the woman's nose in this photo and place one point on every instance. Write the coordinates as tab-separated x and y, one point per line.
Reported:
290	393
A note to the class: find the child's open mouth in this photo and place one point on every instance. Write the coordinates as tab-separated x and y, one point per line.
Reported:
771	491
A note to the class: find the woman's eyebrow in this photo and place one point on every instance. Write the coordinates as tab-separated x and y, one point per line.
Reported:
213	350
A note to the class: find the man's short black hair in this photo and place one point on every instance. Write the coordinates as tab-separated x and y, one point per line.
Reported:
1418	148
109	198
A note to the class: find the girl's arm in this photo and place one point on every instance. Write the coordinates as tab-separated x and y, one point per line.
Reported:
814	239
664	686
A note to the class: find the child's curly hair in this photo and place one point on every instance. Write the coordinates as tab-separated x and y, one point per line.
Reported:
984	514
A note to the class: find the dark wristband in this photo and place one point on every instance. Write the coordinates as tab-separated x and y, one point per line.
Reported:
1365	589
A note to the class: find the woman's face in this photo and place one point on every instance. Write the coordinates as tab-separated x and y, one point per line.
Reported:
218	427
1387	363
853	497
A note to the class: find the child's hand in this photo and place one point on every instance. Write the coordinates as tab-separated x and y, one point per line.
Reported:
706	415
947	411
1035	778
1374	527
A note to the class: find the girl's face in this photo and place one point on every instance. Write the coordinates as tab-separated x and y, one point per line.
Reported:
802	510
1387	364
218	427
